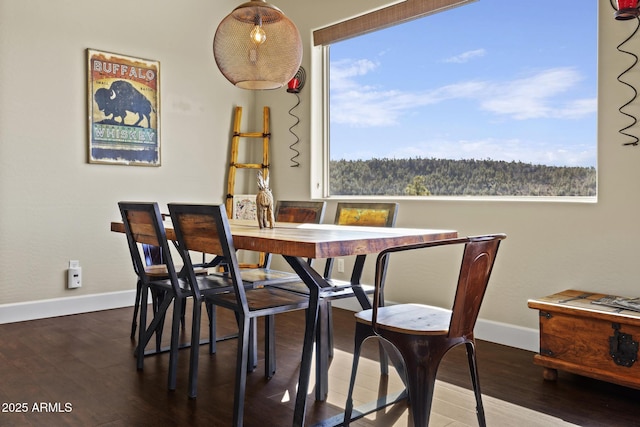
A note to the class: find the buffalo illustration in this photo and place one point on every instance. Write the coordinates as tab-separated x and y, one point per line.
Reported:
122	97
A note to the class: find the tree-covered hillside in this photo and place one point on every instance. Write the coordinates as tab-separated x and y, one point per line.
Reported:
441	177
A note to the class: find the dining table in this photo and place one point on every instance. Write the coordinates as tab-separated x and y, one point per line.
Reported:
299	242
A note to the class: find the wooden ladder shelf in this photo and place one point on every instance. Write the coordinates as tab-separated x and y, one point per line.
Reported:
234	165
235	144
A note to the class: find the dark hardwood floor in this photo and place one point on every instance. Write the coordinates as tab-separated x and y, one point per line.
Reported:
80	371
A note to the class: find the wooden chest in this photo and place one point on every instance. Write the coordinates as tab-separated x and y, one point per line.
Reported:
588	339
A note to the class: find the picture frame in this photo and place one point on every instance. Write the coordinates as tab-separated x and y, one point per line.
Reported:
123	109
244	207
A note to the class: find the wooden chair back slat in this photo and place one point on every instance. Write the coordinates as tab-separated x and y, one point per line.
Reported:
477	263
366	214
301	212
142	229
199	233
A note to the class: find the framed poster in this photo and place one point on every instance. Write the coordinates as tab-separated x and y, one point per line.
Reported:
124	109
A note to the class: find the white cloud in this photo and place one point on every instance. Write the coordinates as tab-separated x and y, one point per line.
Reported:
530	97
343	72
466	56
533	96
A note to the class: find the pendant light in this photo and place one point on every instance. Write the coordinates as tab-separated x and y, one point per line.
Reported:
257	47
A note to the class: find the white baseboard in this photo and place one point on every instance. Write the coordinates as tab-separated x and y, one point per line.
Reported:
501	333
31	310
487	330
511	335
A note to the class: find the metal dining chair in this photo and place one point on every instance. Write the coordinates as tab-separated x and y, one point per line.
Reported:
422	334
205	228
143	224
286	211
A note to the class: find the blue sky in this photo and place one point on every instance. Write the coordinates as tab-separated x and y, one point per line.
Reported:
498	79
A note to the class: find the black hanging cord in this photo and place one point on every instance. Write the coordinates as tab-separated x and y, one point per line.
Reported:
623	131
295	86
294	161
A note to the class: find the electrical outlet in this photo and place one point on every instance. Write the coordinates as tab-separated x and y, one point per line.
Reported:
340	265
74	275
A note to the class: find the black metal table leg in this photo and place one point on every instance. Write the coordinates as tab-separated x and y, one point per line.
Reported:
313	281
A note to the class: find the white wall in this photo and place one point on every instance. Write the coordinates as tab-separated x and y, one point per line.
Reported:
55	207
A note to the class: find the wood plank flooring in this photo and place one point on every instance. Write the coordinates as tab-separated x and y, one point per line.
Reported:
80	371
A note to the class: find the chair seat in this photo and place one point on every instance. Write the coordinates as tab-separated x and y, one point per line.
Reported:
207	284
259	277
414	319
337	289
266	298
160	270
212	282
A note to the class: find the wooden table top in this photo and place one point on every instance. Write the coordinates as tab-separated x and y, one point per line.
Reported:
318	240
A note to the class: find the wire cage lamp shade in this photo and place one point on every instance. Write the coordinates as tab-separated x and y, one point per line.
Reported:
257	47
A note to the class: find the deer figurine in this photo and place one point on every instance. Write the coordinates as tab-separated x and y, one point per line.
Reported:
264	202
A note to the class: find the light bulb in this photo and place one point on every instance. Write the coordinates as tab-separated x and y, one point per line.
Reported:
258	35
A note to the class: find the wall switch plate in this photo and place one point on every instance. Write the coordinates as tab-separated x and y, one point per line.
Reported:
340	265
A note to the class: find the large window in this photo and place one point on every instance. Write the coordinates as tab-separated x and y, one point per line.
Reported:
494	98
